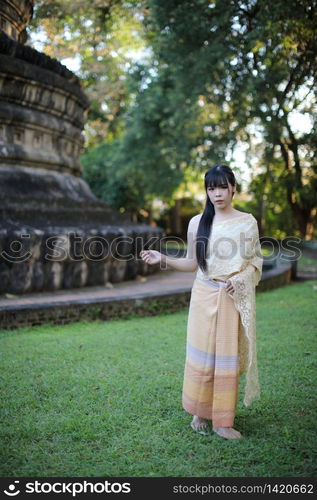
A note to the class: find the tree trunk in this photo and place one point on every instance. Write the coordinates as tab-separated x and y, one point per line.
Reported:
175	218
302	216
261	221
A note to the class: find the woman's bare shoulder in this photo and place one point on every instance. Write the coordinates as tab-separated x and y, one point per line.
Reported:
194	221
193	225
238	212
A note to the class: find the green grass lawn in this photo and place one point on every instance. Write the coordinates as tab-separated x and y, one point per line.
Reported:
104	398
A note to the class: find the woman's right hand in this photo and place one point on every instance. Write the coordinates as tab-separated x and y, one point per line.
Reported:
151	256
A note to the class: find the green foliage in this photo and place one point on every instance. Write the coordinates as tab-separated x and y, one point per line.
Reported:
149	160
159	138
251	65
176	85
111	180
102	37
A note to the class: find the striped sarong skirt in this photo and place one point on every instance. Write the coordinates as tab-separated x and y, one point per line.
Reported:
211	375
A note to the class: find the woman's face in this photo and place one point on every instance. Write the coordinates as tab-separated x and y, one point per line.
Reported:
221	196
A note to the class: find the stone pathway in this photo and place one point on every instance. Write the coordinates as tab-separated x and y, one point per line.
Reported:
165	281
166	291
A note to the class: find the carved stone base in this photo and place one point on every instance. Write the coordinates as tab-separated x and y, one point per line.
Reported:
54	234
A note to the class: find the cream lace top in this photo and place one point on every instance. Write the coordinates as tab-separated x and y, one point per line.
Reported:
232	247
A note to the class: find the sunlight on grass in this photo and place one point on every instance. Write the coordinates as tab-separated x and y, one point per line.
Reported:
104	398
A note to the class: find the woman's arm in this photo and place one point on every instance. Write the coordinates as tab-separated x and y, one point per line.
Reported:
188	263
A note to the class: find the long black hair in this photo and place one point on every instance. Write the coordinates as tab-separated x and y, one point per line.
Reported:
215	176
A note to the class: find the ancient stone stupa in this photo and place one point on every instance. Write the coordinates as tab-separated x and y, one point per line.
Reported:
54	233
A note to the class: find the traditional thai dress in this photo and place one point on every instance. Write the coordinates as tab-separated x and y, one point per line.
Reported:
221	331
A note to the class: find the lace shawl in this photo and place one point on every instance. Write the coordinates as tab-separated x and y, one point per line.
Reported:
229	244
244	284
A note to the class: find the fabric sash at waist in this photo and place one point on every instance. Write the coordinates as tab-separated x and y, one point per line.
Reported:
213	283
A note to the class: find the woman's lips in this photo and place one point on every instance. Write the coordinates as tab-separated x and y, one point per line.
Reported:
219	201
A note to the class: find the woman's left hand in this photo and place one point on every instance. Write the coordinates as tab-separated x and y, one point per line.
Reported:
229	287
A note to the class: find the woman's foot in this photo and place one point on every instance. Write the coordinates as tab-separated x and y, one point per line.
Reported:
200	425
227	432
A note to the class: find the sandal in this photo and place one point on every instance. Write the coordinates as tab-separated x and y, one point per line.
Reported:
200	430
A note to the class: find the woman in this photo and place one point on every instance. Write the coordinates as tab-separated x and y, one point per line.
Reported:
224	248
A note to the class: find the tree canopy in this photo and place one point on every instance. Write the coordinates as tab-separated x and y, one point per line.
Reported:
209	76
